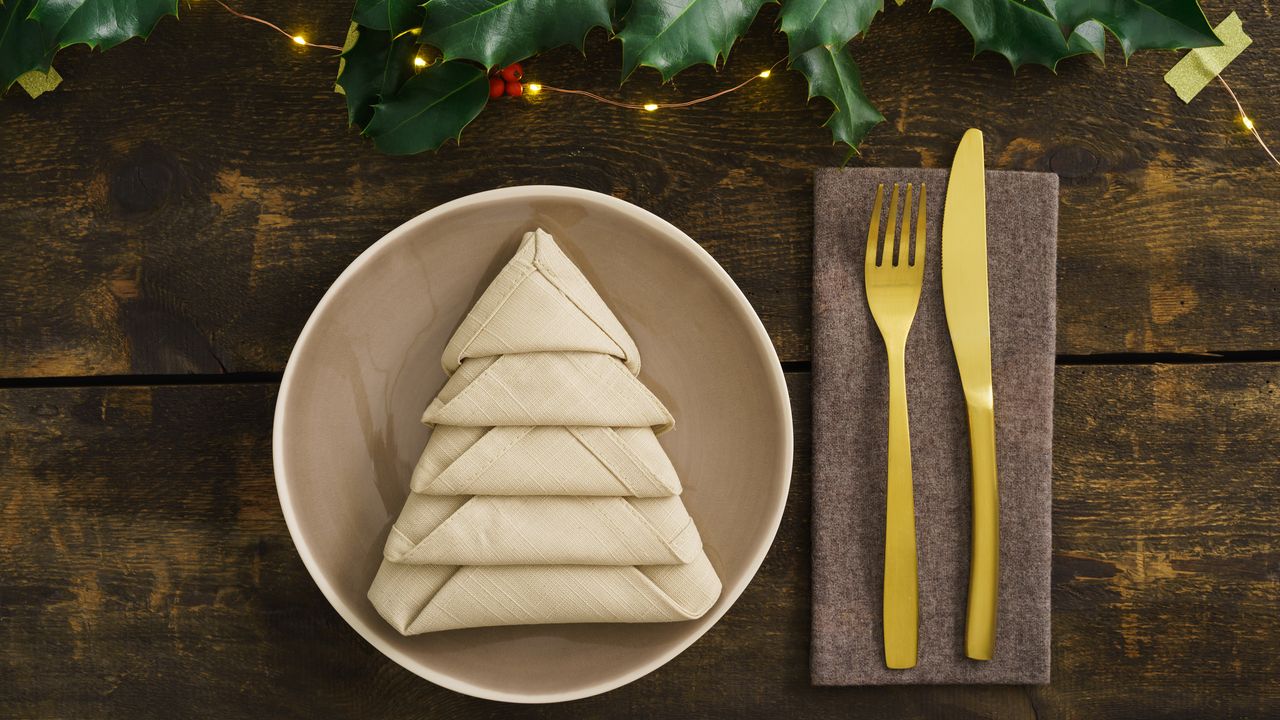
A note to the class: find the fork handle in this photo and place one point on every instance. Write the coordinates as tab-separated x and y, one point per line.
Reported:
984	557
900	602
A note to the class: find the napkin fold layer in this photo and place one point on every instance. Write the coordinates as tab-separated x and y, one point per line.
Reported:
507	530
548	460
850	404
547	388
428	598
540	301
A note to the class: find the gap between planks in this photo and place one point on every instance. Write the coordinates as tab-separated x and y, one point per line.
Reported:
793	366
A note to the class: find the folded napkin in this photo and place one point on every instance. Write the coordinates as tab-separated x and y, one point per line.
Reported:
546	388
547	460
540	300
850	403
505	530
427	598
543	494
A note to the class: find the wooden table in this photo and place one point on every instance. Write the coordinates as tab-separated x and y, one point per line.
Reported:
170	215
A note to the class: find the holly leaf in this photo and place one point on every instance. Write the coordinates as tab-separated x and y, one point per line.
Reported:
393	16
429	108
23	46
1089	37
1032	31
373	66
496	33
620	10
810	23
99	23
1141	24
671	35
832	74
31	31
1018	31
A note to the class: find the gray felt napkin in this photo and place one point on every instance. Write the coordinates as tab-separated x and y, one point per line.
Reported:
850	404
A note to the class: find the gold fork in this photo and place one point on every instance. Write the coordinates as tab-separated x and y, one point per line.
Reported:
893	279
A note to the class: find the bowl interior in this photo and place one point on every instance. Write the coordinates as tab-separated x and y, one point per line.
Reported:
368	363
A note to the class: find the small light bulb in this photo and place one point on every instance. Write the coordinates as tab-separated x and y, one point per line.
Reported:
651	106
419	62
299	39
1248	123
533	88
765	73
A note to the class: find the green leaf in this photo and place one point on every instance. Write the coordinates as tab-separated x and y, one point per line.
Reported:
810	23
496	33
832	74
1089	37
429	108
620	10
671	35
31	31
23	46
353	32
393	16
1019	32
374	66
100	23
1142	24
1031	31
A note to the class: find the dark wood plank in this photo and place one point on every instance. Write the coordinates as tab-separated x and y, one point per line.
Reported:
145	571
180	205
1166	542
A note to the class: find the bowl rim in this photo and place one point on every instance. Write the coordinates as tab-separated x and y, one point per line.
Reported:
760	338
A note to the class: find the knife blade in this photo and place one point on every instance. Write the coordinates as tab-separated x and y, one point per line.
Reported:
965	299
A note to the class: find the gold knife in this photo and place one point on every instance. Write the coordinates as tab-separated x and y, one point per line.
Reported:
964	295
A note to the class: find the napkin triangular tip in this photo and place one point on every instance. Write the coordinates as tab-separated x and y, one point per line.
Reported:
540	301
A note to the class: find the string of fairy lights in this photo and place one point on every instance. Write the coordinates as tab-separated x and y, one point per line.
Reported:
535	88
532	88
297	39
1247	121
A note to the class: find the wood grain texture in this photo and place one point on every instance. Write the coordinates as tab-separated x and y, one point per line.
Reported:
145	571
179	205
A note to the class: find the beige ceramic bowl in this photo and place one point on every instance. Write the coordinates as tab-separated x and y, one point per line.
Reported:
347	430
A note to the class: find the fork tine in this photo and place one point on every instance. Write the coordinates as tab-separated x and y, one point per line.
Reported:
887	256
873	235
902	252
917	257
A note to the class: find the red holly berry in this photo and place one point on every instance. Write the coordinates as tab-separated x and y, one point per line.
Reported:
496	87
512	72
514	89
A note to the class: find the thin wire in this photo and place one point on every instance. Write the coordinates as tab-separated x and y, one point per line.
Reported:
277	28
549	88
659	106
298	39
1251	126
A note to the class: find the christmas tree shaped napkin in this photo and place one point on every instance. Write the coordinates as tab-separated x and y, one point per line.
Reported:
543	495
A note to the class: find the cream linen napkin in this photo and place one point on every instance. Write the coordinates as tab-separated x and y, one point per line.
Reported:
427	598
544	461
546	388
540	302
491	530
543	495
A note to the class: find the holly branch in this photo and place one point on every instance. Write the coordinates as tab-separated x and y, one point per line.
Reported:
406	103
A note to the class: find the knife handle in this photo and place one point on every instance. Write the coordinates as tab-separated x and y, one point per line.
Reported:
984	558
900	603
